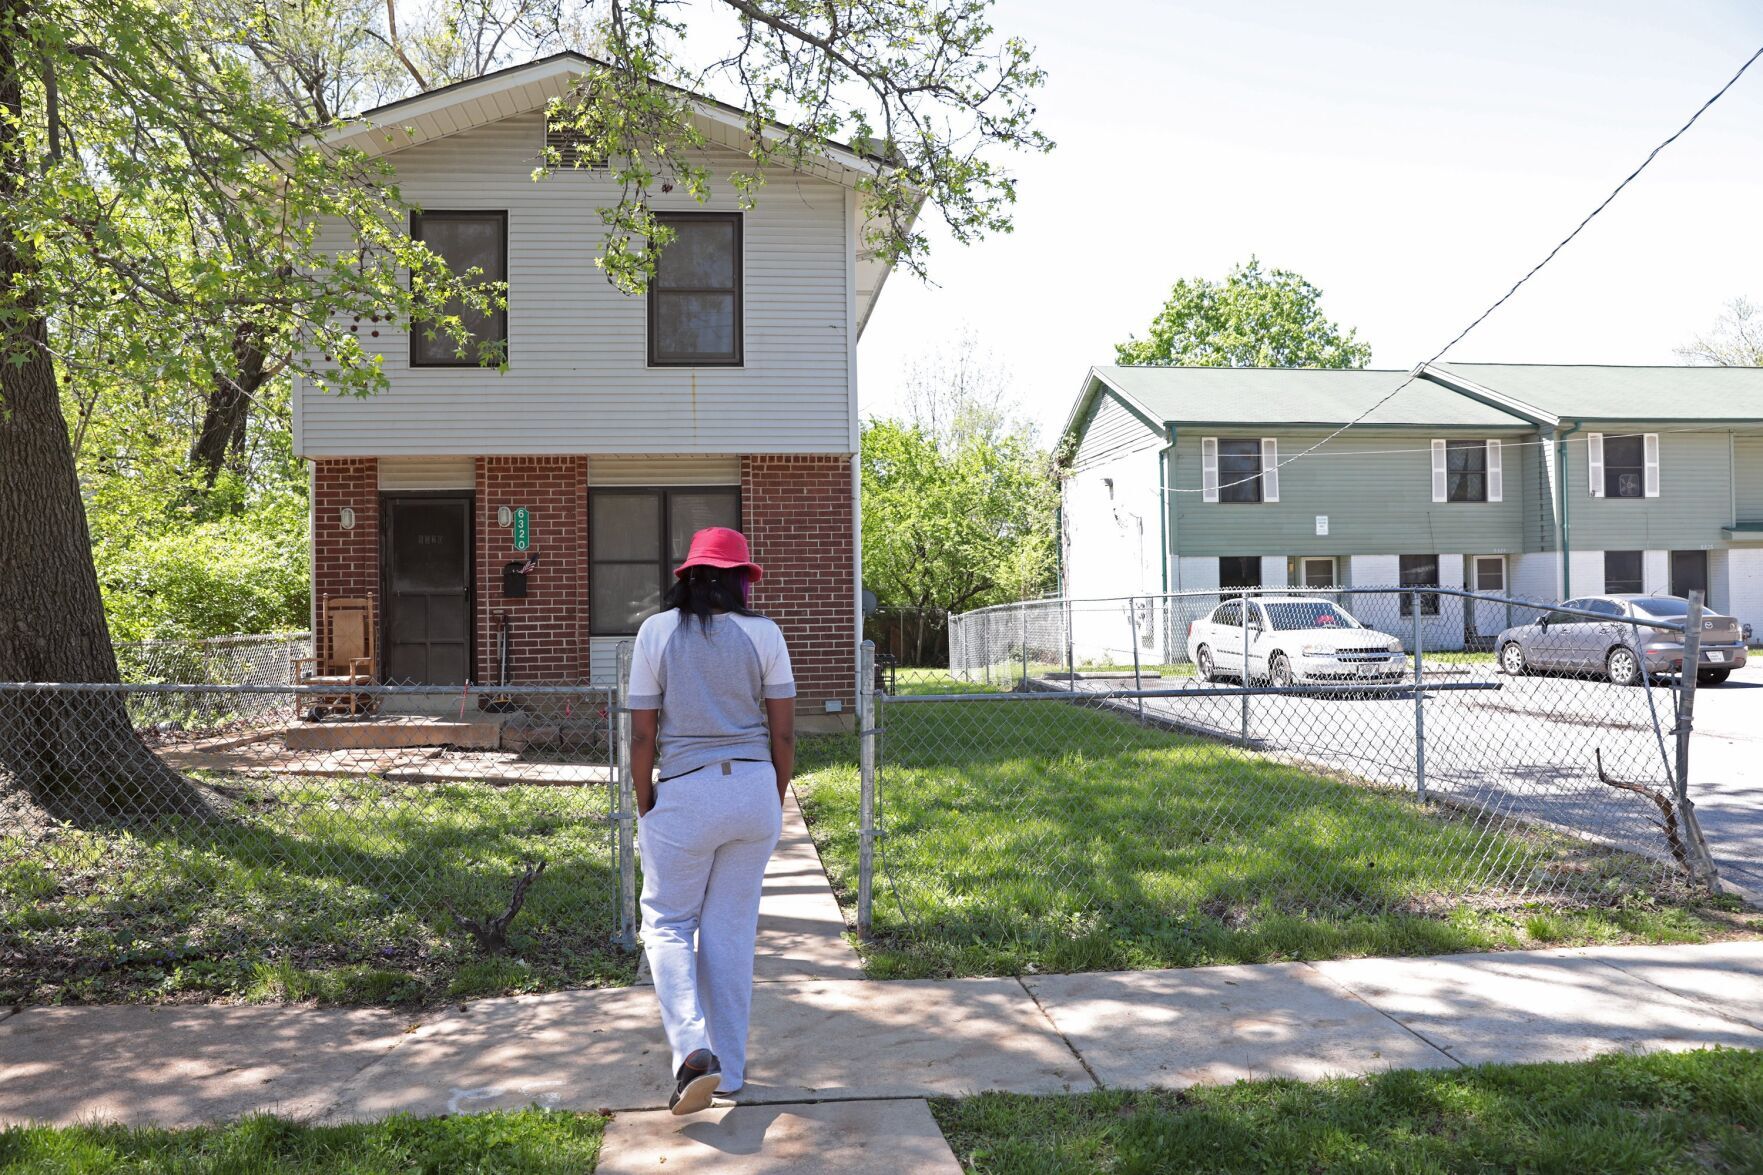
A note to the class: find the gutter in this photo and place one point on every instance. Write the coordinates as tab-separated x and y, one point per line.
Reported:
1165	510
1561	493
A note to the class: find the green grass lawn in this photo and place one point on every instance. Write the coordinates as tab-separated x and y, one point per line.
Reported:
1689	1112
342	890
1035	835
532	1142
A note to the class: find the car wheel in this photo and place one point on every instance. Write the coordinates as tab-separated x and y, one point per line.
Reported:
1203	663
1512	660
1623	666
1280	672
1712	676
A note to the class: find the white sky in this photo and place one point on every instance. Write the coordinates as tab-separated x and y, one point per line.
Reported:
1412	160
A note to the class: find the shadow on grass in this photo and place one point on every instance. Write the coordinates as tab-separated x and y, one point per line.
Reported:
337	888
1049	836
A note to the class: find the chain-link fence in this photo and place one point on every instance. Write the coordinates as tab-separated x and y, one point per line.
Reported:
259	659
1179	764
193	840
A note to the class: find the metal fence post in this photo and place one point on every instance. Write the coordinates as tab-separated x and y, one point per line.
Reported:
1132	617
1023	609
1243	615
1419	706
626	815
1702	861
866	736
1070	658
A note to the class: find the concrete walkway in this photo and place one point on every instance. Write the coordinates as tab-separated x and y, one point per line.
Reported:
841	1065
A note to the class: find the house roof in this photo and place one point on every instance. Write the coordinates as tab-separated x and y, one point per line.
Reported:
522	89
1287	396
1595	392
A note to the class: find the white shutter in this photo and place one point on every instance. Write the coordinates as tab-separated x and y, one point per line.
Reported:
1269	469
1594	461
1496	476
1439	491
1209	469
1650	445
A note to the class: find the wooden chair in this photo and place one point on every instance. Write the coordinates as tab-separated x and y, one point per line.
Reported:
344	656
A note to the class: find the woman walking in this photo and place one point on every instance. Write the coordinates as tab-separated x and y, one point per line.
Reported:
711	699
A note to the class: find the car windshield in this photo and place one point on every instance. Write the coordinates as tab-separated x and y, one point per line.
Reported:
1308	614
1663	607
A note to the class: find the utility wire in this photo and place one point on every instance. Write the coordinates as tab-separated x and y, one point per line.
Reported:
1503	298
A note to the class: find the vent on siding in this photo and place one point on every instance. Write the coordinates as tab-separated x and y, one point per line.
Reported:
571	148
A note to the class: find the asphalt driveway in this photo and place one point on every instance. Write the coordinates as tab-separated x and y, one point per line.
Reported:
1525	747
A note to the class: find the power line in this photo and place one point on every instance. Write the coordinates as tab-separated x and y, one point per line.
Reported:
1534	270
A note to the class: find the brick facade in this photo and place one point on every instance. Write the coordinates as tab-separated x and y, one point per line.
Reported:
796	512
346	562
548	627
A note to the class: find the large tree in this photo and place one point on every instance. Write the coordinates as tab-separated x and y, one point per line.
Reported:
959	500
1735	341
126	123
1253	318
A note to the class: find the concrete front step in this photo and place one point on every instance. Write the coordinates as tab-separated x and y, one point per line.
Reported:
394	732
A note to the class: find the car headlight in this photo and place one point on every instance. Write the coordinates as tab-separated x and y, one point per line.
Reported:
1314	650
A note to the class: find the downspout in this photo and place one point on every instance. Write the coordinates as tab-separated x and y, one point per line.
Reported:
1561	492
1166	510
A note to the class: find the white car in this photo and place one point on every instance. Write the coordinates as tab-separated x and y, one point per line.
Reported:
1292	639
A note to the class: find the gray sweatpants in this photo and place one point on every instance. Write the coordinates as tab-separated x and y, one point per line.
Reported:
705	844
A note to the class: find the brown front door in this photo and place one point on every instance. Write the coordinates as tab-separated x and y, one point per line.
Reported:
428	590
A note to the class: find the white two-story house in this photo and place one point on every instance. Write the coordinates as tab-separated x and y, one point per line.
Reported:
727	395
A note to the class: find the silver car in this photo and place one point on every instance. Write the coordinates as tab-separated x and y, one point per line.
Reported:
1616	639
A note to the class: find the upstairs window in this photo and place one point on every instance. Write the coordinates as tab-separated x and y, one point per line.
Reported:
466	241
695	295
1625	467
1466	471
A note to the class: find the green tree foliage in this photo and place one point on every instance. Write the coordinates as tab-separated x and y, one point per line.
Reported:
1254	318
959	501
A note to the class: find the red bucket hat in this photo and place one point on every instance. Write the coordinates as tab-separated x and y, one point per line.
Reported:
718	546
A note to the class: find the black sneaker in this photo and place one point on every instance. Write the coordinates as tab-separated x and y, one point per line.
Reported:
698	1079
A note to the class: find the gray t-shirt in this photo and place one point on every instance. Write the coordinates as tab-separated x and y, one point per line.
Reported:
710	684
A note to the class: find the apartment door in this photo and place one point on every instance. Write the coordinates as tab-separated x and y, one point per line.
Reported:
1316	571
427	561
1689	572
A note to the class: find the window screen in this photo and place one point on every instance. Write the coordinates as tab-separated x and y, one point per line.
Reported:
636	538
1466	471
1239	471
1625	469
1622	571
466	241
695	295
1239	571
1420	571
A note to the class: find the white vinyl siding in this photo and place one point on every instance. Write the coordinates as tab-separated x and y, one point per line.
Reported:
578	379
1594	462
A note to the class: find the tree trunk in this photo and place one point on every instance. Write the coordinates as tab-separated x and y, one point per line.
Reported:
221	443
76	754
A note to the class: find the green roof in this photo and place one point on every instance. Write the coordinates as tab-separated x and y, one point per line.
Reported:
1591	392
1296	396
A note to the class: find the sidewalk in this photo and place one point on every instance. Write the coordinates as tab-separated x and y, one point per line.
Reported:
841	1065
